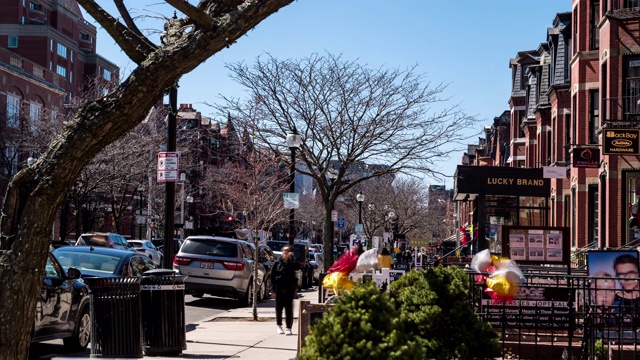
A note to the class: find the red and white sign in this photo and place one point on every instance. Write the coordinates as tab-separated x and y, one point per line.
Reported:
168	166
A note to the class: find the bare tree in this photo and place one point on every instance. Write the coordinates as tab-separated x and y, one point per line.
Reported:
357	123
34	194
255	184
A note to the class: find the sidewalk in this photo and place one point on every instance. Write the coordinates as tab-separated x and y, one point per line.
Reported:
234	334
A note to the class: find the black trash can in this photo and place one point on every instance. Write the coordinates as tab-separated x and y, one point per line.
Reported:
116	326
163	315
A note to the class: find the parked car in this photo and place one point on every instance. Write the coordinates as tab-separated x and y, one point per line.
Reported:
59	243
159	243
103	262
62	308
146	247
110	240
317	262
219	266
301	252
267	259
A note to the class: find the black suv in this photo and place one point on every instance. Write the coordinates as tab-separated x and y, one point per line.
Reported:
301	252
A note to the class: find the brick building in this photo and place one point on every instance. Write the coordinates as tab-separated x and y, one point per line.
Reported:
47	57
570	97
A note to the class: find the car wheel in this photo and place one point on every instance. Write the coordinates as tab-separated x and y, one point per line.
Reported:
198	295
81	336
247	299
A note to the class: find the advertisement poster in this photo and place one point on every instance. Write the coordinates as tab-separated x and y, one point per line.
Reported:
614	291
517	246
536	244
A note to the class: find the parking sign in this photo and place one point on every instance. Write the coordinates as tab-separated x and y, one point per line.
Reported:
340	223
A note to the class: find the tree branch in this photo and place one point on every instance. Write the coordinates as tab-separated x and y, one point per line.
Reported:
127	18
197	15
135	47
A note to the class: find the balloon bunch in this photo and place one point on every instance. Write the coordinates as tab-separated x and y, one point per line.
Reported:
504	279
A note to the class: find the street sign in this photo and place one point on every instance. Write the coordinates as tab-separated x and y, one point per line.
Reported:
334	215
168	166
291	200
359	228
340	223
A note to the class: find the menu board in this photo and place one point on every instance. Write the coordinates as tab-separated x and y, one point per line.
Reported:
536	245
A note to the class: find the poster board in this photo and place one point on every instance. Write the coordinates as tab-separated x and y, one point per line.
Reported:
308	315
536	245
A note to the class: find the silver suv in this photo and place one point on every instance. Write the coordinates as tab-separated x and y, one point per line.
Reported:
219	266
112	240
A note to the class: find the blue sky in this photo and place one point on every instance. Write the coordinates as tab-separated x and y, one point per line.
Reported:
467	43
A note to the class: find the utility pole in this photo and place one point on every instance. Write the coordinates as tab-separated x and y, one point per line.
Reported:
170	194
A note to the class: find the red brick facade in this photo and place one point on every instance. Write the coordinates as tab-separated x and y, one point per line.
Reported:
583	79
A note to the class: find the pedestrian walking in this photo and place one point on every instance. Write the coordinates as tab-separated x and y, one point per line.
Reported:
285	285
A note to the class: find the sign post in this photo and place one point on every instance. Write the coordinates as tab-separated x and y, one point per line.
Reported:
168	166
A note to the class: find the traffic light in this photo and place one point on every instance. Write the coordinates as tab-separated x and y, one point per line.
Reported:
230	219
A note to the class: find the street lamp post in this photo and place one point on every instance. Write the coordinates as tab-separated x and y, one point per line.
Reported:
293	142
140	221
360	198
189	202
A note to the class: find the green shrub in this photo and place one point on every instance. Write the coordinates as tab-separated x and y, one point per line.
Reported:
424	315
363	324
434	308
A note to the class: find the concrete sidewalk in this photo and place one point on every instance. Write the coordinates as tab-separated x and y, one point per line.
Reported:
235	335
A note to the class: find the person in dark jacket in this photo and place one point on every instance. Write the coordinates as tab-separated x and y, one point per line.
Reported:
285	287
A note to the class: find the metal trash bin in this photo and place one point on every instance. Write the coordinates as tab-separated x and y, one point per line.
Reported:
116	327
163	313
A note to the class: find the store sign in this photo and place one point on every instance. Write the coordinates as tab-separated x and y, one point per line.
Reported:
586	158
498	180
621	142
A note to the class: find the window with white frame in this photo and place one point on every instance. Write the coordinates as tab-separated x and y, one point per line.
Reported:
11	164
107	75
62	50
70	76
35	111
13	111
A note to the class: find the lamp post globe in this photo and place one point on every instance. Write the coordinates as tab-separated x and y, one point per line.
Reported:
360	199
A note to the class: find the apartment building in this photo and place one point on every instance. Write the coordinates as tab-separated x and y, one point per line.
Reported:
574	109
47	58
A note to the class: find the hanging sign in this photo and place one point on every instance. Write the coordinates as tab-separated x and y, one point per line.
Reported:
621	142
586	157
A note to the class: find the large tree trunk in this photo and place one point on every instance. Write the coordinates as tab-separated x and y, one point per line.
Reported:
35	194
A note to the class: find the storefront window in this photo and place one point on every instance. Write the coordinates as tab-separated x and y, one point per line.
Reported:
632	180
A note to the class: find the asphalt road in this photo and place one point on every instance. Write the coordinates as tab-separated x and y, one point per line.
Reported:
196	310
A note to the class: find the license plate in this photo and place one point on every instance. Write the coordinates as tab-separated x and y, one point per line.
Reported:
206	265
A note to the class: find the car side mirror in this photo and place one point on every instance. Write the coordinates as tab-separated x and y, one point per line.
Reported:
74	273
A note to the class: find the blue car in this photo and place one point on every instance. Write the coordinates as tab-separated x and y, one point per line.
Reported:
103	261
62	310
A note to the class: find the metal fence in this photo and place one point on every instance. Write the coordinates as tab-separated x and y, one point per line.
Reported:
560	316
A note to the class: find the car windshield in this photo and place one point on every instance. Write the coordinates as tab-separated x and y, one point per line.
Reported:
276	245
88	261
210	247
